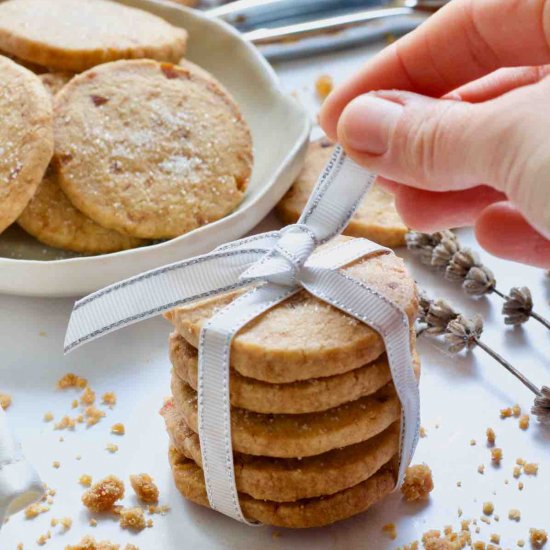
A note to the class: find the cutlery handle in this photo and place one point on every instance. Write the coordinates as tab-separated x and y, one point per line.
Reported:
329	24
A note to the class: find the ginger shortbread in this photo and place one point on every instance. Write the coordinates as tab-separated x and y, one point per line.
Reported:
304	337
74	35
26	138
376	218
299	435
149	149
289	479
315	512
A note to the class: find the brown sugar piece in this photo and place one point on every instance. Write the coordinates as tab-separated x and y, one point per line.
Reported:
303	337
26	137
149	149
418	483
74	35
376	218
145	488
101	497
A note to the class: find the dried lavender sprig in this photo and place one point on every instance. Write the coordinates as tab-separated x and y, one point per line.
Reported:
463	265
463	333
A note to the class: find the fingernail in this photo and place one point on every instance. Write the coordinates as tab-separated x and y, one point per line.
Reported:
368	122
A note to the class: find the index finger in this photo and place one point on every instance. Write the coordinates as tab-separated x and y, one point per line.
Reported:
463	41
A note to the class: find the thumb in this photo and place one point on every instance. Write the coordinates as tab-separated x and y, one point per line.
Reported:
446	145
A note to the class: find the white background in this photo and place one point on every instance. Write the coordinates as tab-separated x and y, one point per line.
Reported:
461	397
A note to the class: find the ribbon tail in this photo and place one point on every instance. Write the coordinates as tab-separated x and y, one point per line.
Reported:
336	196
19	482
156	291
365	304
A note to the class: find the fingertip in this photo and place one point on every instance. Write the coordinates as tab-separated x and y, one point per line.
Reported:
503	231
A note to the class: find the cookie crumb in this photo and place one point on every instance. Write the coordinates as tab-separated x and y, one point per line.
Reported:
71	380
111	447
531	469
506	413
65	423
85	480
496	455
481	469
5	400
48	416
524	422
517	471
488	508
390	530
87	397
56	464
521	543
93	415
162	510
102	496
478	545
118	429
418	482
538	537
520	486
491	436
423	432
516	410
323	85
43	539
132	518
495	538
109	398
93	522
144	487
514	514
35	509
89	543
74	404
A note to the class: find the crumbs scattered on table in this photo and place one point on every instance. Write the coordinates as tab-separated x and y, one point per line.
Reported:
56	464
118	429
524	421
71	380
496	455
514	514
133	518
491	436
538	537
488	508
111	447
87	397
390	530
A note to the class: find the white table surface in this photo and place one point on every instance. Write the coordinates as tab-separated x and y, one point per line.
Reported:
461	397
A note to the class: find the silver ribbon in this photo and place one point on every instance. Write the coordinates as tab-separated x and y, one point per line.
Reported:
274	266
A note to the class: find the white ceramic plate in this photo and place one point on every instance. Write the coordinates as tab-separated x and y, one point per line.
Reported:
280	129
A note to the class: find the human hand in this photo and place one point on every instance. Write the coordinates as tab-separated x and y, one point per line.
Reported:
479	153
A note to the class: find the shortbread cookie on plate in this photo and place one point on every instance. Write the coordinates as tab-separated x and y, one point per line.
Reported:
53	220
304	337
299	435
315	512
74	35
289	479
149	149
315	394
376	218
26	138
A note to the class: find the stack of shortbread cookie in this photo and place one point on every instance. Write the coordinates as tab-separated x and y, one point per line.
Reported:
315	417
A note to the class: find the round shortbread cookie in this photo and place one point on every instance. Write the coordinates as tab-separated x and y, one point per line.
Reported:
316	394
74	35
289	479
53	220
376	218
151	150
299	435
26	138
315	512
305	337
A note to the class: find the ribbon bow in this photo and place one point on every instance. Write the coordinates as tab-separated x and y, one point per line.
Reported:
275	265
